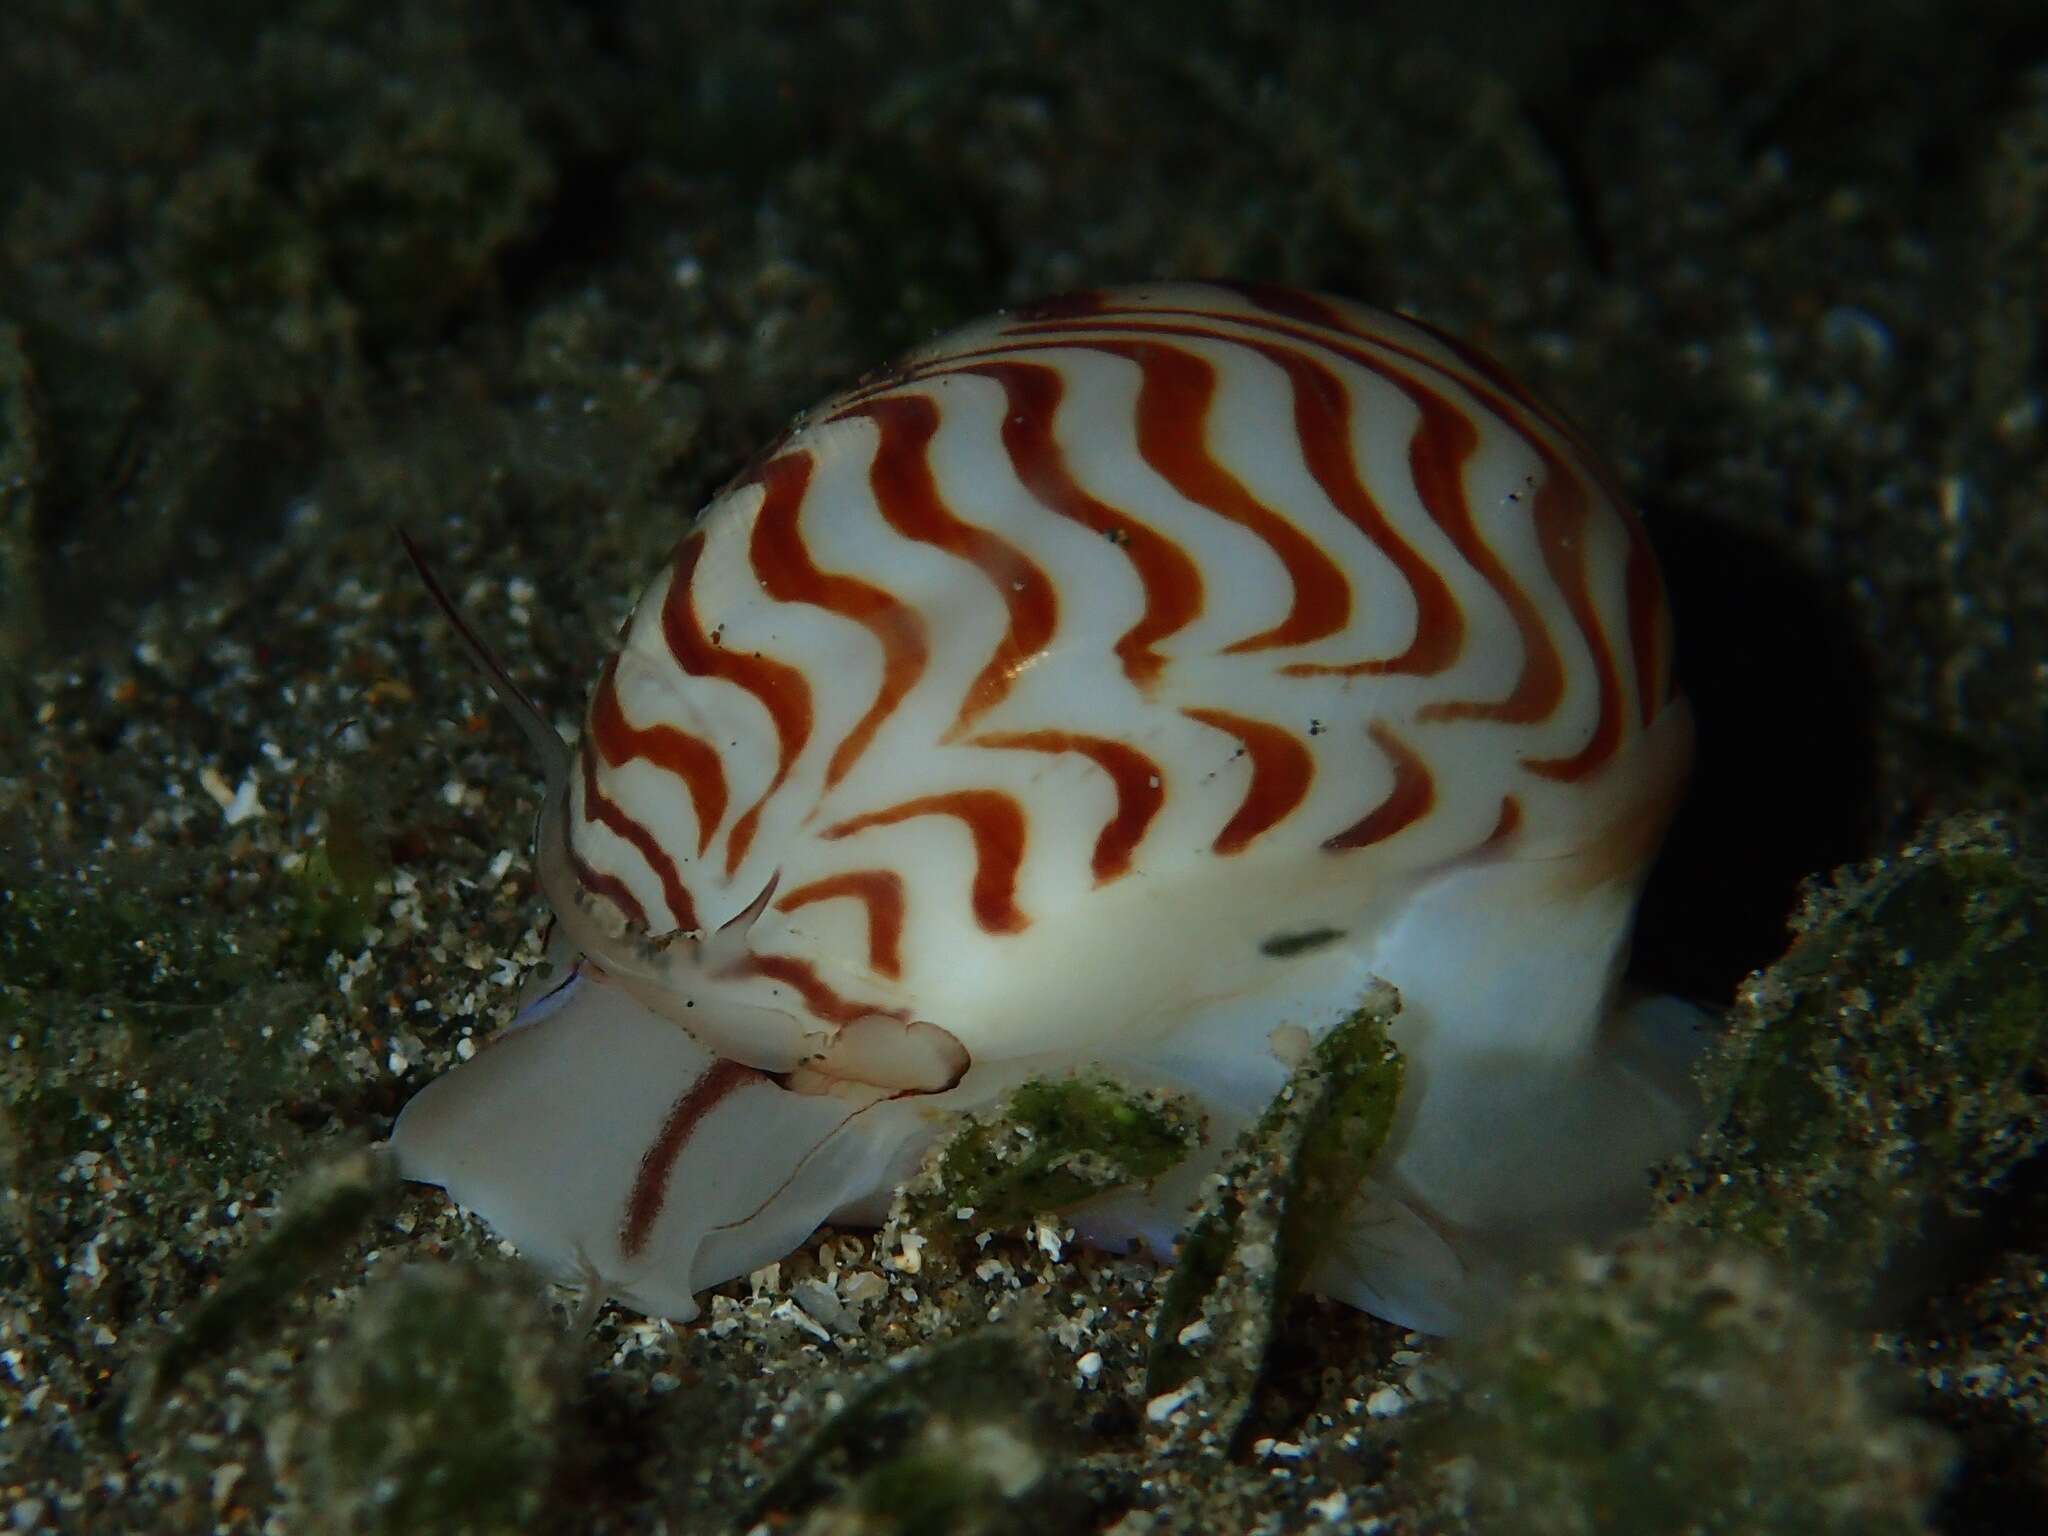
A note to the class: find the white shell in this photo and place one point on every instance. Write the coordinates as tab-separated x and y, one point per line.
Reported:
1110	682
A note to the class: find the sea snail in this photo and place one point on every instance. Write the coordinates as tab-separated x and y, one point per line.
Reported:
1039	703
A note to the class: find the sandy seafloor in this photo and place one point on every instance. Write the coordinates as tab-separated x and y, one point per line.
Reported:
528	281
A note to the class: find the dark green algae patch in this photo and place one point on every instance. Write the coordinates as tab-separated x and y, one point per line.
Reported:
1667	1386
436	1413
131	971
958	1436
322	1214
1880	1084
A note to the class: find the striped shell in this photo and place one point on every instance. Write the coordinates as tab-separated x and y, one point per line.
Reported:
1112	681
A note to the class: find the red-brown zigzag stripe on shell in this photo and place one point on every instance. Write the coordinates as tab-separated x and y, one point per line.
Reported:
1001	713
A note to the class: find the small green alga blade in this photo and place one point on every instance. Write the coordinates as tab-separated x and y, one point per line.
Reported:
1270	1215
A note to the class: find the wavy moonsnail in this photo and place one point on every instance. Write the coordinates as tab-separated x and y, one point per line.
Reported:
1001	717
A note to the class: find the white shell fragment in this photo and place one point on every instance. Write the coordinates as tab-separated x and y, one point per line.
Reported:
1120	682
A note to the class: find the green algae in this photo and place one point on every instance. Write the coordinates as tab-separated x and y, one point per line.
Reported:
153	1073
325	1212
954	1480
1050	1144
125	974
951	1437
1282	1198
332	893
1886	1074
139	930
1667	1387
436	1413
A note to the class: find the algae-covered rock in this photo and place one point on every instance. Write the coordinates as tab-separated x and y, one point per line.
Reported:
953	1478
329	1208
1283	1194
951	1438
435	1414
1664	1387
1050	1144
1888	1069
